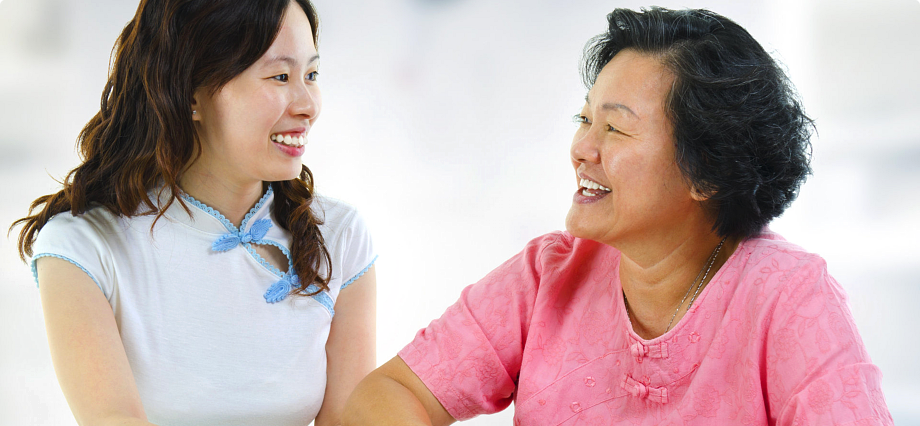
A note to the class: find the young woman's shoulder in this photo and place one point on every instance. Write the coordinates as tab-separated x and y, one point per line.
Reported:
333	211
347	237
83	240
86	229
338	217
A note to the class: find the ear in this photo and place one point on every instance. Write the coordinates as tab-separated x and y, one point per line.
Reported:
697	195
196	116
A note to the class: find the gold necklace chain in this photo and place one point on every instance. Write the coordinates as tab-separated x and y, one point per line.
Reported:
711	261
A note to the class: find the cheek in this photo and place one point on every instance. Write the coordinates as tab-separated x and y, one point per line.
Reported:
318	99
641	175
266	105
249	105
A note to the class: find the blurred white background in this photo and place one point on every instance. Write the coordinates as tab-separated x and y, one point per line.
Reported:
447	122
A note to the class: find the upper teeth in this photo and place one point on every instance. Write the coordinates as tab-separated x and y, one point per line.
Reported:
590	184
295	141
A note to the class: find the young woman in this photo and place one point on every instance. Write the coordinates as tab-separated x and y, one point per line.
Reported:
189	274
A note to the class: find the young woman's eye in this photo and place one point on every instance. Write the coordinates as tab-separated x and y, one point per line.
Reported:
580	119
281	77
313	76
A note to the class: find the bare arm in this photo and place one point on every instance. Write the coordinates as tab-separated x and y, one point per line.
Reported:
351	350
86	347
394	395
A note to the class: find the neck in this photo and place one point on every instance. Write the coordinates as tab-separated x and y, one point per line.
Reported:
657	275
231	199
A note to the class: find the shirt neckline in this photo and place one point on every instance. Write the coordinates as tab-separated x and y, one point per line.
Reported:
208	219
674	331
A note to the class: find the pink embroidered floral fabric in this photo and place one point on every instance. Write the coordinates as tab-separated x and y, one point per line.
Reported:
769	341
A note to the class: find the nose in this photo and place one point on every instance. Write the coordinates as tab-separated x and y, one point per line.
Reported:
584	147
307	101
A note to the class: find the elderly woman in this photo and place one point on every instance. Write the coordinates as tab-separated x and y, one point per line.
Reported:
667	301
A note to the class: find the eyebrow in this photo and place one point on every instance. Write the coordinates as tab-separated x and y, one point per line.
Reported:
287	59
613	106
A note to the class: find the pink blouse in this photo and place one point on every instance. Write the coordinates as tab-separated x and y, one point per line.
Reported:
770	340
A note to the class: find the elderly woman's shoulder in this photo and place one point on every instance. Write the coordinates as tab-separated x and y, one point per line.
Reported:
768	259
562	242
562	248
770	246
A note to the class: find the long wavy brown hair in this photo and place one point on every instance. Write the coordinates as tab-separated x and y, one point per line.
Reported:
143	134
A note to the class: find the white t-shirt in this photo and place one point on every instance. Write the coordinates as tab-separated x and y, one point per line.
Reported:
203	341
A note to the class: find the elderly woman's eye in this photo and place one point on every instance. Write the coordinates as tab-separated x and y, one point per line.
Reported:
580	119
611	128
281	77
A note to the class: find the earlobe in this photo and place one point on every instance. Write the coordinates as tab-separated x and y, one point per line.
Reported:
698	195
195	115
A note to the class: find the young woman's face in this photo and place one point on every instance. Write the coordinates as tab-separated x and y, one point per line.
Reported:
253	129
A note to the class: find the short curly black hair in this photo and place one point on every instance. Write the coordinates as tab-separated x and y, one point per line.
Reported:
742	136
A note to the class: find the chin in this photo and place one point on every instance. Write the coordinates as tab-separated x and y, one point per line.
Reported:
585	228
278	177
574	226
290	174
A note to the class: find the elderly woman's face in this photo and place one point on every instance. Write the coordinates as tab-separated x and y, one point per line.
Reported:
629	184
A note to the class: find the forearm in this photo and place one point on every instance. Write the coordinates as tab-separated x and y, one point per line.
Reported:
381	401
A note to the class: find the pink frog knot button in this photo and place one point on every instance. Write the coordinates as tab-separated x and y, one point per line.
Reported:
638	350
576	407
639	390
590	382
644	391
658	350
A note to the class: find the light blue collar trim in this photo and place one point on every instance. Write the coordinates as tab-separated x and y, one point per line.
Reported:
220	217
256	235
255	209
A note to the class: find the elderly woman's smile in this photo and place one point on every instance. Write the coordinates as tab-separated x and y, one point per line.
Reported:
623	152
668	301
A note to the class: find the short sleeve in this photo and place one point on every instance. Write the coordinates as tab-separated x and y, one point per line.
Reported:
471	356
348	241
80	241
818	369
358	254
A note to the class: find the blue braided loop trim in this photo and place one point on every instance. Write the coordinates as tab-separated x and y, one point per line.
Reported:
347	283
74	262
219	216
256	207
323	298
282	288
207	209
